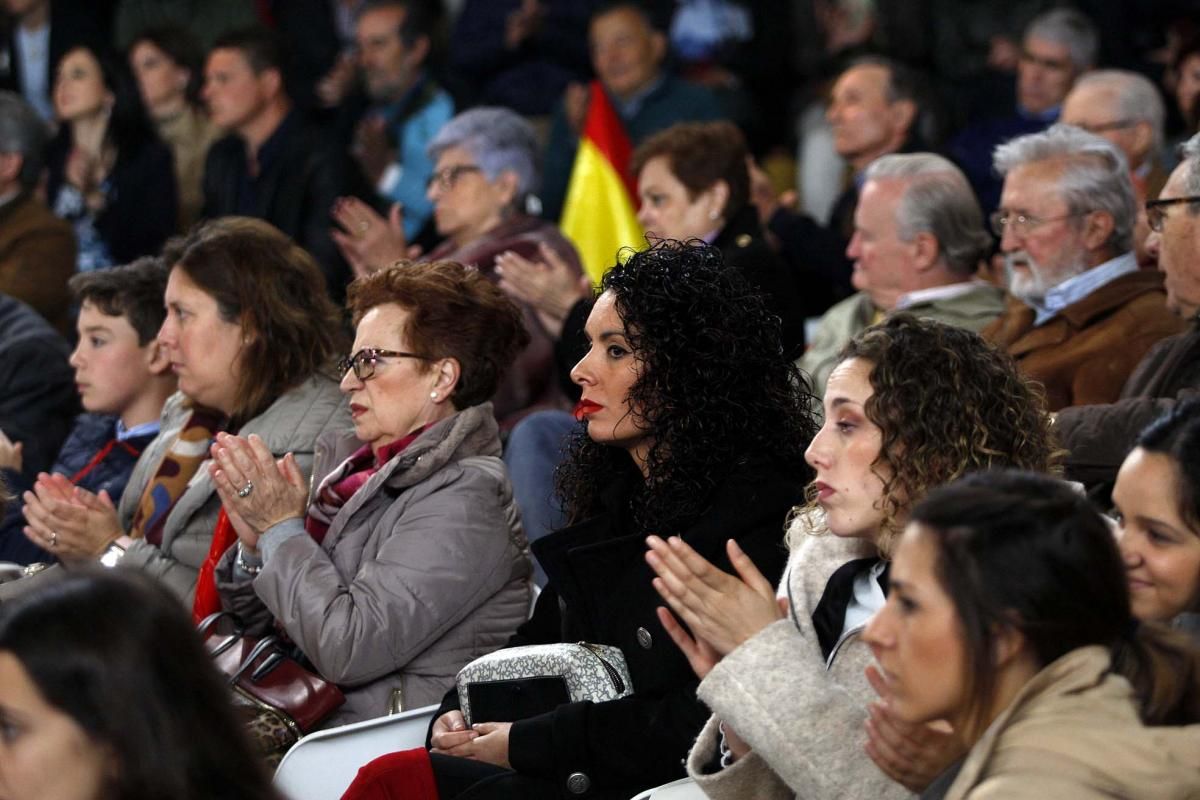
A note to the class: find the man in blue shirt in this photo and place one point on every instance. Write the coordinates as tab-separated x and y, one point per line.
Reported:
407	108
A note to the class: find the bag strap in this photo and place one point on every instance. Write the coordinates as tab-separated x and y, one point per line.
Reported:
264	644
209	622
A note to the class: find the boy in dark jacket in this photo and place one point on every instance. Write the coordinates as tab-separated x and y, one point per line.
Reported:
123	378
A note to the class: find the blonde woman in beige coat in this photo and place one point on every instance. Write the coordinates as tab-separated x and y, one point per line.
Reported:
1010	617
408	560
912	404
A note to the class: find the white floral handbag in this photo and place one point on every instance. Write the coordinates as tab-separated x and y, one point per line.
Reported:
521	682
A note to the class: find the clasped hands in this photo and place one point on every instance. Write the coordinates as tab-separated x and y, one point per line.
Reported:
368	241
256	489
551	286
74	524
484	741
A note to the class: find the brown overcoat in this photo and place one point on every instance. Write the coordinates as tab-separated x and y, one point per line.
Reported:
1085	353
37	257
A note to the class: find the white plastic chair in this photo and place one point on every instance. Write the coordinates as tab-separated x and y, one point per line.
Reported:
682	789
322	765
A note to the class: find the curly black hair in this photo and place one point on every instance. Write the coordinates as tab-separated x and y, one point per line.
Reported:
714	389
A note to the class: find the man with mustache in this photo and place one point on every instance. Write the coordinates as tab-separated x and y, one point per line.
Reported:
1081	315
1099	436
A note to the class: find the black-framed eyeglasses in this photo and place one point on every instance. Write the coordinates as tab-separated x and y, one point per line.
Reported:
445	179
363	362
1156	210
1021	224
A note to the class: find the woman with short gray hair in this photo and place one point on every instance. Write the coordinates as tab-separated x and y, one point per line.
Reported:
482	189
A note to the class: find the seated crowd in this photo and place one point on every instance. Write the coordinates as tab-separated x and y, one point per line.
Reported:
889	490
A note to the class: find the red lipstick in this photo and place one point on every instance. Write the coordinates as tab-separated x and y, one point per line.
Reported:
586	407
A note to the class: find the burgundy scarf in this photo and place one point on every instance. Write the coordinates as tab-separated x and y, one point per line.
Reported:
341	484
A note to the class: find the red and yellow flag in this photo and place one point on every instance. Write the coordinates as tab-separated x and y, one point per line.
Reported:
599	214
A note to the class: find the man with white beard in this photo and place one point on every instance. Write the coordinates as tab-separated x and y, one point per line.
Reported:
1081	314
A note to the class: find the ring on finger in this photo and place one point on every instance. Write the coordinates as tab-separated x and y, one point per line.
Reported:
53	539
363	227
246	490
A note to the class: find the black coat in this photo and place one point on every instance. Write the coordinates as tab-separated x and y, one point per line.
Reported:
141	209
295	193
38	402
599	591
744	247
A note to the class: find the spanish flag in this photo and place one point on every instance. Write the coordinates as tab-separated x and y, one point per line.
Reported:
599	214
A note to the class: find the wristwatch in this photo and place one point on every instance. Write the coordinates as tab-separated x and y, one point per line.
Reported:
112	555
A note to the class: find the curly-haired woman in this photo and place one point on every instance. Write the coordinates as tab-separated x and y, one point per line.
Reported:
911	405
694	424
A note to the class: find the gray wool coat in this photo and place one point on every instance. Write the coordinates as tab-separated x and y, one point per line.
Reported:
804	718
423	569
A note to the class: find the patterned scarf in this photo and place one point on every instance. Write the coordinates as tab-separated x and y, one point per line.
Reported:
341	484
178	465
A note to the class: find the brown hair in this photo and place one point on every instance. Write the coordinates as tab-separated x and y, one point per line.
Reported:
133	291
454	311
1026	552
700	154
947	403
273	289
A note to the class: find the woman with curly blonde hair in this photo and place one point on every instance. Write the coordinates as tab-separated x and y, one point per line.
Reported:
912	404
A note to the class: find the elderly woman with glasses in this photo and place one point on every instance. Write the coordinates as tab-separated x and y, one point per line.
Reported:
485	174
408	559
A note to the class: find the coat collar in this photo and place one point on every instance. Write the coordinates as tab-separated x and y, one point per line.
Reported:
1021	337
1078	671
738	503
470	432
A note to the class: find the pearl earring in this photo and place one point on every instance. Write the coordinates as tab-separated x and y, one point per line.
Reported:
433	395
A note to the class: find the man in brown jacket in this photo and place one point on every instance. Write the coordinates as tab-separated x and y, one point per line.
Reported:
1081	314
37	249
1099	436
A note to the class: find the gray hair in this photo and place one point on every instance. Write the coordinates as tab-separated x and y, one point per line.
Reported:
1189	152
1095	178
938	200
1071	28
498	140
22	131
1137	97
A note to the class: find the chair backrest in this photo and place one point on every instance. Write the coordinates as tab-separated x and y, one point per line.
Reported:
322	765
682	789
535	591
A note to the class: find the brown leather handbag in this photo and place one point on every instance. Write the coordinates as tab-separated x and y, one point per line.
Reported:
263	674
